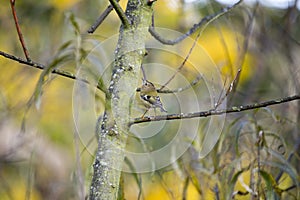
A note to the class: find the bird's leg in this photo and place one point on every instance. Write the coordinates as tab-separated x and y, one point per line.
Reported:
145	113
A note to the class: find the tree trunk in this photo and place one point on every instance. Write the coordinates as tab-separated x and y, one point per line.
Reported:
114	128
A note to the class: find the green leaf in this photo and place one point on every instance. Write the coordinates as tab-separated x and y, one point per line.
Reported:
232	183
283	165
36	98
237	136
282	144
74	24
270	183
59	58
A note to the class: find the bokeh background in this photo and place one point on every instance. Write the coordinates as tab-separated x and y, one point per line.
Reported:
41	157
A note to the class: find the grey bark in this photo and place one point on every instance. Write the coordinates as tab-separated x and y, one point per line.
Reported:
114	125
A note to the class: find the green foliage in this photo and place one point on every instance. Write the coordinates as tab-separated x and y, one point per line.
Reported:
270	184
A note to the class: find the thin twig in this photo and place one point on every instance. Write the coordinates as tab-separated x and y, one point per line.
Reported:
12	4
247	34
101	18
230	88
42	67
194	82
144	74
183	63
213	111
187	57
185	187
181	89
259	145
216	192
289	188
208	18
234	82
37	65
221	97
120	13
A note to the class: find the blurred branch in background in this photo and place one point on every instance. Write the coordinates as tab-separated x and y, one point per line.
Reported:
206	20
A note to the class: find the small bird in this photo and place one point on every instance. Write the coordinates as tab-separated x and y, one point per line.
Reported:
149	97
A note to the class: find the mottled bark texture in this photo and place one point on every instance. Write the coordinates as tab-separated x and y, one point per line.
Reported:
114	125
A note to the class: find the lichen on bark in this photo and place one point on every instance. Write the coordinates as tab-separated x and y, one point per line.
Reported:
114	129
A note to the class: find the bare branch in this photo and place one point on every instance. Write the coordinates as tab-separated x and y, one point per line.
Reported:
204	20
101	18
42	67
214	112
12	4
120	13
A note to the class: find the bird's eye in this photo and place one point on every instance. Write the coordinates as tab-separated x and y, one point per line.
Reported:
146	97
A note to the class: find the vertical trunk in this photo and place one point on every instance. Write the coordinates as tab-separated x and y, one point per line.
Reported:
114	126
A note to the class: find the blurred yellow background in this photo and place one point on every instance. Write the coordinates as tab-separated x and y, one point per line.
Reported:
46	153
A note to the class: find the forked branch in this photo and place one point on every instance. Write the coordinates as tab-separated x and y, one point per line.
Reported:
120	13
